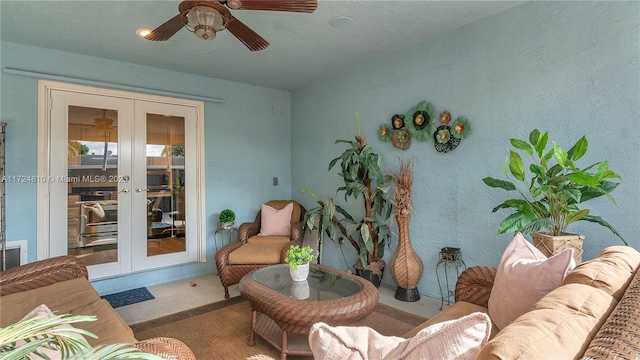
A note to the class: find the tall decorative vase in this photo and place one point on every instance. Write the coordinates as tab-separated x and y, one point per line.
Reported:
405	265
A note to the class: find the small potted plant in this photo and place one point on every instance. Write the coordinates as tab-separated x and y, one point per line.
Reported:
551	199
298	259
227	218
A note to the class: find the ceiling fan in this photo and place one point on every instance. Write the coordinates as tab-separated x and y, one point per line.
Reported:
206	17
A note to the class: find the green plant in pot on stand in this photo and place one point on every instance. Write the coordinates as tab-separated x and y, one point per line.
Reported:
553	197
226	219
363	174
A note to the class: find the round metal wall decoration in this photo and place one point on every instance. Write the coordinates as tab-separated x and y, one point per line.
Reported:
401	139
397	121
384	132
421	124
443	140
461	128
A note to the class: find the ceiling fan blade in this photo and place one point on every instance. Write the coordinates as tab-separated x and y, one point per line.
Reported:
247	36
166	30
307	6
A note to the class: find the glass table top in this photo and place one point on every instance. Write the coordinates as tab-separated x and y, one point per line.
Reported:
321	285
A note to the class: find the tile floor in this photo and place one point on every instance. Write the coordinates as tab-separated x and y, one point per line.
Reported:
179	296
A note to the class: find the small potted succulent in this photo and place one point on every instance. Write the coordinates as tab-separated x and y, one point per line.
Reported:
227	218
298	259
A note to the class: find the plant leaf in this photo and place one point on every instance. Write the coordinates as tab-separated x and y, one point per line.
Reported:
579	149
583	179
497	183
599	220
536	225
516	166
541	143
560	155
522	145
575	216
513	223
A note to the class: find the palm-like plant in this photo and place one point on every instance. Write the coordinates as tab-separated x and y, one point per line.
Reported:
550	199
364	177
26	340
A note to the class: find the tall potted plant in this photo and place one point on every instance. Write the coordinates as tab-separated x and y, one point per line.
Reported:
552	198
363	174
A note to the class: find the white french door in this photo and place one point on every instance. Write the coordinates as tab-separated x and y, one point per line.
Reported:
123	190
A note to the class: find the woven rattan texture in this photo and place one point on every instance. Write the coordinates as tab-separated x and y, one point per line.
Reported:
297	316
405	265
231	274
166	348
474	285
619	337
40	274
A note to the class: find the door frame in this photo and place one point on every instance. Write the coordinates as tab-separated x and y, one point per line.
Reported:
44	132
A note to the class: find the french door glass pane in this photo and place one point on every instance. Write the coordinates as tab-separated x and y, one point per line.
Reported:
92	203
166	203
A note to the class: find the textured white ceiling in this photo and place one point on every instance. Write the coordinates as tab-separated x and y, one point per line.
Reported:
304	47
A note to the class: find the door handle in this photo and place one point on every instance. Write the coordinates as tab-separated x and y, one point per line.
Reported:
124	190
139	189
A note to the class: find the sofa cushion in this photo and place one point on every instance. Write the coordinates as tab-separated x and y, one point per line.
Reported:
455	311
523	277
60	297
559	326
610	271
458	339
109	327
256	253
268	239
274	221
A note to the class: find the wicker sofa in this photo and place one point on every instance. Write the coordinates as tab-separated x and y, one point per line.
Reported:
595	314
62	284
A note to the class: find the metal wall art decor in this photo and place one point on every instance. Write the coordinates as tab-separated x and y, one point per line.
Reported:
419	123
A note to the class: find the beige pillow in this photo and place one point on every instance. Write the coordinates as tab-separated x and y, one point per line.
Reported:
457	339
275	222
524	276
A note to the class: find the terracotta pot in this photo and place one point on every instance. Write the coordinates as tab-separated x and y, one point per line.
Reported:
552	245
405	265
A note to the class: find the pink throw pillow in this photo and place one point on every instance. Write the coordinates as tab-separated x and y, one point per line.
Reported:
44	312
275	222
458	339
525	275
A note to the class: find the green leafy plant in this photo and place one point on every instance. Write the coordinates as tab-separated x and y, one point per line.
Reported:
297	255
550	200
227	216
28	338
363	174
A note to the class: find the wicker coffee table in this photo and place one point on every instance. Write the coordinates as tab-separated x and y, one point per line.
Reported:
283	311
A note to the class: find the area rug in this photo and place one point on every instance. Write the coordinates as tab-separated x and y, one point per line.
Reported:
128	297
221	330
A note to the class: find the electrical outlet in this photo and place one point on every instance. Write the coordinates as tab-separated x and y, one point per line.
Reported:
275	181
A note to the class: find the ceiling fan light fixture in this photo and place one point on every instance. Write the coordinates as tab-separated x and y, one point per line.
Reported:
204	21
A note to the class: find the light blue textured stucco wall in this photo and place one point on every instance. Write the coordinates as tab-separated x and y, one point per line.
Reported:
571	68
245	145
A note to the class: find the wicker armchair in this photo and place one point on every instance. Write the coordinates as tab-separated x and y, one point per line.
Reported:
231	271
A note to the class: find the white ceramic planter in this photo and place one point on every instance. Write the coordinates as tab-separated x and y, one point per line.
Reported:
300	289
299	274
